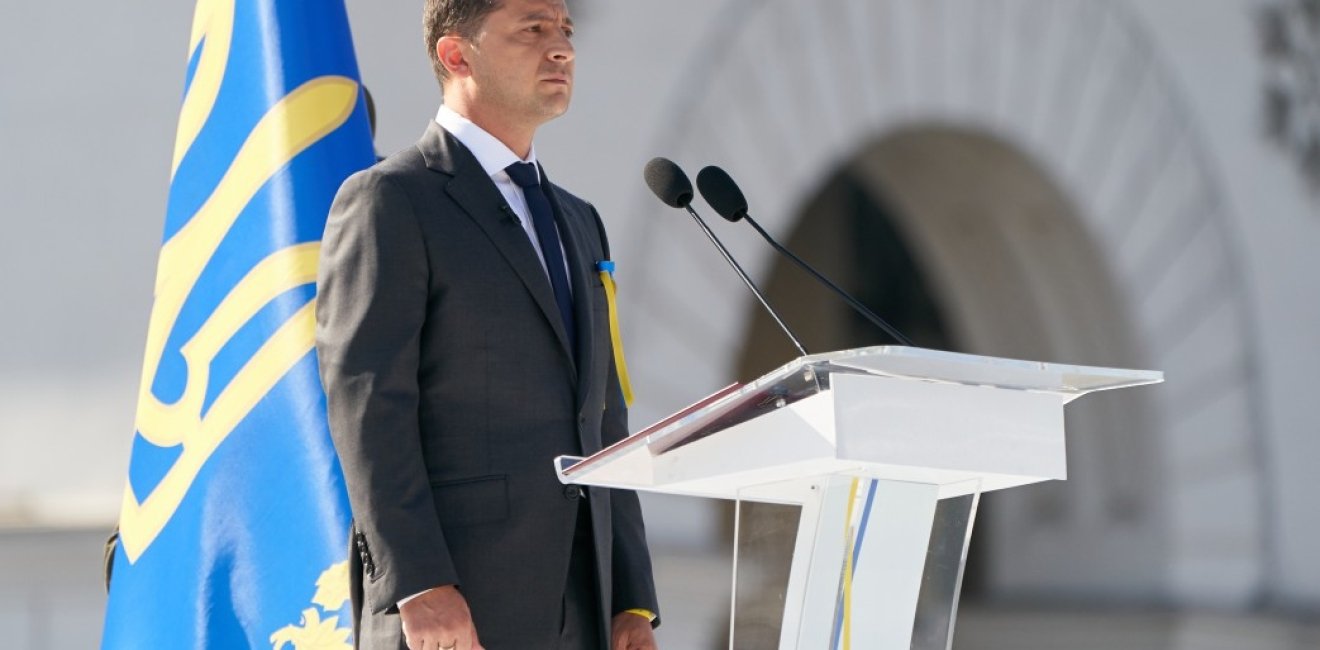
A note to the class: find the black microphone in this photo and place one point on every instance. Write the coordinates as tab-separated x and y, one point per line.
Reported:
672	186
510	217
719	190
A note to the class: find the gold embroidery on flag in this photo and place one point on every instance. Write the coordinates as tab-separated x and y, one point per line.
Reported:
315	632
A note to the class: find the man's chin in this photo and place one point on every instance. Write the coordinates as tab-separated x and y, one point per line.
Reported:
555	107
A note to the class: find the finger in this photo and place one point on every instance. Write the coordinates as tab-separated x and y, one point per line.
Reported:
637	641
473	642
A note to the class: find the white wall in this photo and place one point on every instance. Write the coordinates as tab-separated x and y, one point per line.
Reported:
1214	49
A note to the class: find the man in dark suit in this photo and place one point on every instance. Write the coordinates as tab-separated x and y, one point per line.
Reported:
463	338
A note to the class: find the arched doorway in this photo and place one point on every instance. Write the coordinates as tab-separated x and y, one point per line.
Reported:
965	244
941	114
1171	494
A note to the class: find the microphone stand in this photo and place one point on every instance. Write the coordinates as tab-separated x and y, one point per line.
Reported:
852	302
797	343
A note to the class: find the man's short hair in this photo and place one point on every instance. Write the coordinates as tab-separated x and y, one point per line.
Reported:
452	17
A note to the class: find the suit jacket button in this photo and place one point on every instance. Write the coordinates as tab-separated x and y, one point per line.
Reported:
572	492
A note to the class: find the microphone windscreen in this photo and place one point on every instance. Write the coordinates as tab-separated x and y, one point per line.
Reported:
722	193
668	182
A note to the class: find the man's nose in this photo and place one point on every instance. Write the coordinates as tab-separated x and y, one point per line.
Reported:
562	49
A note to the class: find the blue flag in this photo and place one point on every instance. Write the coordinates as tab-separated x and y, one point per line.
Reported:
234	526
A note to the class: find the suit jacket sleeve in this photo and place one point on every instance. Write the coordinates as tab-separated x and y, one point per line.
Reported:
372	294
633	583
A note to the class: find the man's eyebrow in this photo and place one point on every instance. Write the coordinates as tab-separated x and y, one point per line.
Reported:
541	16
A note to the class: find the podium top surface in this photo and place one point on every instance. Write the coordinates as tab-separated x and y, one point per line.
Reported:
810	375
958	368
805	376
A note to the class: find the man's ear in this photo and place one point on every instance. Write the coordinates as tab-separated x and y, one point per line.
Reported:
450	51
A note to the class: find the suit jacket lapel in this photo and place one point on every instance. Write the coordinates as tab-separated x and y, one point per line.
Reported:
580	269
472	189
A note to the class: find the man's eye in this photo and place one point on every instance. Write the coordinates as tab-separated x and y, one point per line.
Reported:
569	32
535	29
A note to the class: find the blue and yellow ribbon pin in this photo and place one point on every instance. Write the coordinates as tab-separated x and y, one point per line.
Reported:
606	270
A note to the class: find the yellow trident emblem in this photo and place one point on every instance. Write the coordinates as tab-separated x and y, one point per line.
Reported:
294	123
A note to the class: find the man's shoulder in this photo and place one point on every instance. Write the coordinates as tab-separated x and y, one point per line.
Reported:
400	165
399	171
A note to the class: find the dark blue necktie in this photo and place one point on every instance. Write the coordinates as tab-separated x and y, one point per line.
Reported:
543	220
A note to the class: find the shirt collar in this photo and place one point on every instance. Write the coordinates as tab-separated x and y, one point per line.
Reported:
491	154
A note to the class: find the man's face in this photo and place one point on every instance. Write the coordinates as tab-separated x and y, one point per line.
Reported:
522	61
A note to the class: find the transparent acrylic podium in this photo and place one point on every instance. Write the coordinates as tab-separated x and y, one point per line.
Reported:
872	462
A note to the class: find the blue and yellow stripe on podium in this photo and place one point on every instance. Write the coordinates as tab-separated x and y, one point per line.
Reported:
853	538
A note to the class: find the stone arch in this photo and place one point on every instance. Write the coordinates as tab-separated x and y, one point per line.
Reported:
1071	89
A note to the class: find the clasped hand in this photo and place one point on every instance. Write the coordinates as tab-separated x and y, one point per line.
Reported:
440	620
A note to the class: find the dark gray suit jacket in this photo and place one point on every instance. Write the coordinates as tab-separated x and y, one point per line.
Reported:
452	385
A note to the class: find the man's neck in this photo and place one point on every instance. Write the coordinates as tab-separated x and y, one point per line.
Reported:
517	138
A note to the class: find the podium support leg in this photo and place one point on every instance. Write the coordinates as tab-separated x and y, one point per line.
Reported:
857	565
